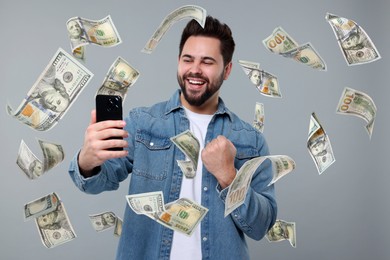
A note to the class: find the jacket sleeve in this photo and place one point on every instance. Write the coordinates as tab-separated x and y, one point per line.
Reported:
110	173
258	212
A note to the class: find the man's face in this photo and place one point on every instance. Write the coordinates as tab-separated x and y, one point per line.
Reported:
201	70
255	77
74	29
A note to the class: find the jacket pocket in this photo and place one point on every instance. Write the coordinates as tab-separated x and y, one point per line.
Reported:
152	156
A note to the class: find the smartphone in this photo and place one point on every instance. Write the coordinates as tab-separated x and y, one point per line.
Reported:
109	107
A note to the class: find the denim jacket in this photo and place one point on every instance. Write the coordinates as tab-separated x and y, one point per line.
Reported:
152	164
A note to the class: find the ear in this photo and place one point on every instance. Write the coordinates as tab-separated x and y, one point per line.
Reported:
227	71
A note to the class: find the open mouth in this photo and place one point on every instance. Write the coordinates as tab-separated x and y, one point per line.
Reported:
196	83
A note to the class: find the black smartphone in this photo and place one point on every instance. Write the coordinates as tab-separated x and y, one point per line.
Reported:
109	107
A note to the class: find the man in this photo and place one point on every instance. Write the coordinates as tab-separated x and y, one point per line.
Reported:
226	144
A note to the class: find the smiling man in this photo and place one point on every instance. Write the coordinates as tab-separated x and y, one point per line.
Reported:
226	143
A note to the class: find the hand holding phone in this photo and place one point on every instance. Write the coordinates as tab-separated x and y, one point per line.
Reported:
109	107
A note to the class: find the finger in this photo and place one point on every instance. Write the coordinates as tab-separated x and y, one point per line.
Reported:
113	143
110	124
112	132
93	117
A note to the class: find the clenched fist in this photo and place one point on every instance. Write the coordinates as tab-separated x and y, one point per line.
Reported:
218	158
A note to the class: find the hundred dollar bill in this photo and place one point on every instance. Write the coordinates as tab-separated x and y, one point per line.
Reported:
187	11
182	215
189	145
103	221
41	206
307	55
357	103
53	93
82	31
282	165
319	146
149	202
120	77
265	82
118	227
283	230
187	167
55	227
354	42
53	154
258	122
280	42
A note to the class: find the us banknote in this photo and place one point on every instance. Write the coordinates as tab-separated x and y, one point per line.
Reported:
187	11
258	121
53	154
149	202
82	31
281	165
355	44
51	219
282	43
53	93
41	206
319	146
265	82
189	145
103	221
182	215
283	230
119	78
357	103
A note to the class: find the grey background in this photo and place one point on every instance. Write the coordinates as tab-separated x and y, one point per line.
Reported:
341	214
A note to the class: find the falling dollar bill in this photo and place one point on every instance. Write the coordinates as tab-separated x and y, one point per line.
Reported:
189	145
120	77
41	206
103	221
182	215
53	93
258	121
51	220
53	154
319	146
187	167
188	11
265	82
280	42
283	230
357	103
281	165
83	31
354	42
149	202
118	227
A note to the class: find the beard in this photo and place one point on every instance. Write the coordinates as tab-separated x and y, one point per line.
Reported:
199	98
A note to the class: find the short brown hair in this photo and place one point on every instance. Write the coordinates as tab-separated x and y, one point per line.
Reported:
212	28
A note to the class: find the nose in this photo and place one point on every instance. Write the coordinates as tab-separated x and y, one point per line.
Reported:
195	67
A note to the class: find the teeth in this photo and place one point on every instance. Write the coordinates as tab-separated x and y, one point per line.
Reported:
196	82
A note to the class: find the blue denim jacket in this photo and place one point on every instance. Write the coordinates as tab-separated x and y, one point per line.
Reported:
152	163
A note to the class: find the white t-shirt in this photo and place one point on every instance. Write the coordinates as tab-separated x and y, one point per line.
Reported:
190	247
